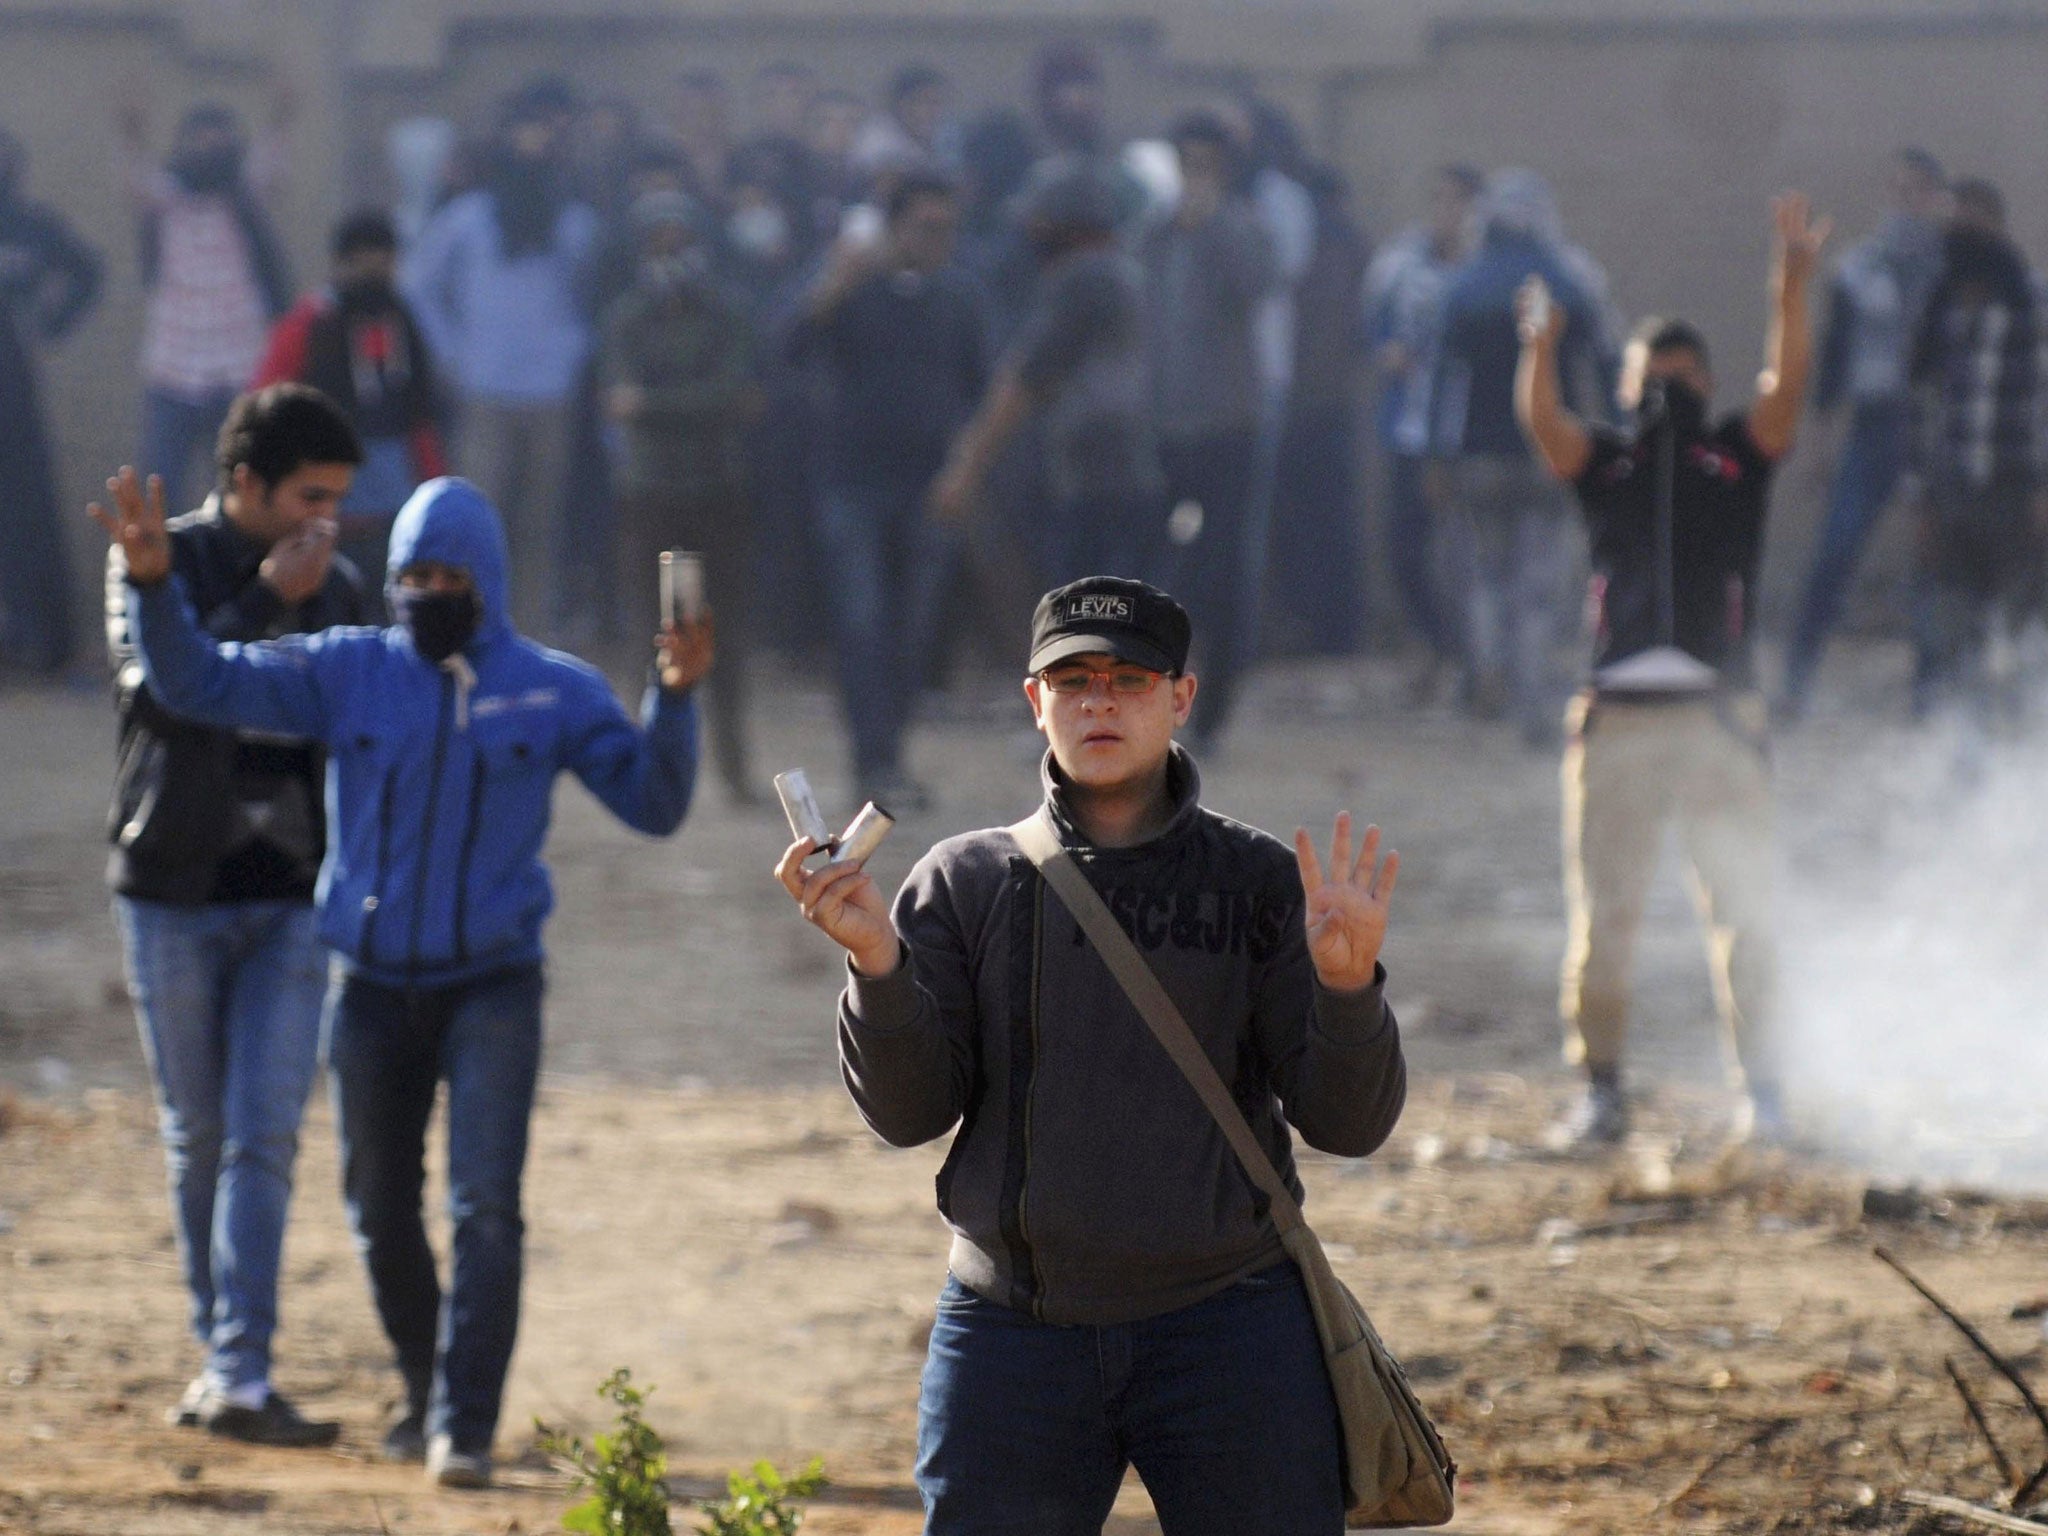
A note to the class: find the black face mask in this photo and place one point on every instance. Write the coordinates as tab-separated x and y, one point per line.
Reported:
208	170
367	295
1675	402
441	623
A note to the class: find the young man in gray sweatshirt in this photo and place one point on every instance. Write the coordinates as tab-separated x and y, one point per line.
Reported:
1118	1294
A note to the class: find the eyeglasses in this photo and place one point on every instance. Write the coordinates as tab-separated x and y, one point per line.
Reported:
1128	680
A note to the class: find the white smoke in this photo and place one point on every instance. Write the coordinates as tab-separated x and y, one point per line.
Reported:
1915	957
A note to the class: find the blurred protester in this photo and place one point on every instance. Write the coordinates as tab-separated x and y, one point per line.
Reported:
218	839
1078	367
1129	1303
1404	294
899	336
829	130
674	371
1207	269
1517	542
1672	727
1979	450
914	127
780	163
498	283
356	341
1315	558
213	271
603	142
420	153
1874	306
447	733
1273	165
49	281
701	117
1069	93
997	159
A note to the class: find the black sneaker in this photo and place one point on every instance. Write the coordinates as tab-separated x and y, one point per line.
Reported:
277	1422
406	1439
1596	1123
450	1467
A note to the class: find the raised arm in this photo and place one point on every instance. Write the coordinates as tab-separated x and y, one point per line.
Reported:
270	686
1561	439
1788	351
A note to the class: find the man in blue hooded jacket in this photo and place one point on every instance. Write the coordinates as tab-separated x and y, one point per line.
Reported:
444	735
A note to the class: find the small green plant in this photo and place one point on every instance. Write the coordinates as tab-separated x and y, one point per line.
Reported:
623	1470
763	1502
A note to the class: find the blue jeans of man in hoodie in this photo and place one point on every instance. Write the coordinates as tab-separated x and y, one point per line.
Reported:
227	995
387	1050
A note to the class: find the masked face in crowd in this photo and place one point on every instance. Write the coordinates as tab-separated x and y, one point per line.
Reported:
670	258
438	606
207	160
365	281
1671	384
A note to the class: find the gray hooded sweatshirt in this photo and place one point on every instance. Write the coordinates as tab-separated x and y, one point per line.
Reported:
1087	1183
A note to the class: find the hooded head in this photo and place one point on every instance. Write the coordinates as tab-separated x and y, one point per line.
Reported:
1519	203
451	522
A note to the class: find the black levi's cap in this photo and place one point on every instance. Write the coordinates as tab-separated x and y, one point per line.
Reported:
1125	619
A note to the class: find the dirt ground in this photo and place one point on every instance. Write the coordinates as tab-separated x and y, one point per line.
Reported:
1673	1338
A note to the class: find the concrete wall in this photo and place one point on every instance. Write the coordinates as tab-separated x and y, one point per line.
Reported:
1665	124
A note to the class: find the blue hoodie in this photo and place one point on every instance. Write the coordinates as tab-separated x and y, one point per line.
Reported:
439	778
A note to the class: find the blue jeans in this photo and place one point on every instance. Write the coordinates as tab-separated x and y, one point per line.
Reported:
228	1000
1224	1407
885	561
172	427
1411	557
386	1050
1865	477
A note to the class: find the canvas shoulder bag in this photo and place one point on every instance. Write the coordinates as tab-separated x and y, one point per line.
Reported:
1396	1471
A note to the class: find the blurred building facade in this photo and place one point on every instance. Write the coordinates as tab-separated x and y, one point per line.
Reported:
1663	124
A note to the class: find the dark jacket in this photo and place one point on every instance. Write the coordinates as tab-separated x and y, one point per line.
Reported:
1678	569
1473	394
441	779
688	352
1086	1182
201	813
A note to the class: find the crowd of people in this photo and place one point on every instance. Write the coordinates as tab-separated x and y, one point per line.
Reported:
907	371
900	365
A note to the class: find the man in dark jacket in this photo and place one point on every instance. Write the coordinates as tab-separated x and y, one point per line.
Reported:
49	279
1979	448
673	364
217	836
1207	269
898	334
1118	1293
445	733
1671	727
356	341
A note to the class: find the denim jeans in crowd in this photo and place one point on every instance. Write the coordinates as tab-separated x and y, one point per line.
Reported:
1412	556
386	1050
173	429
1224	1408
227	996
1520	548
885	560
1865	476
